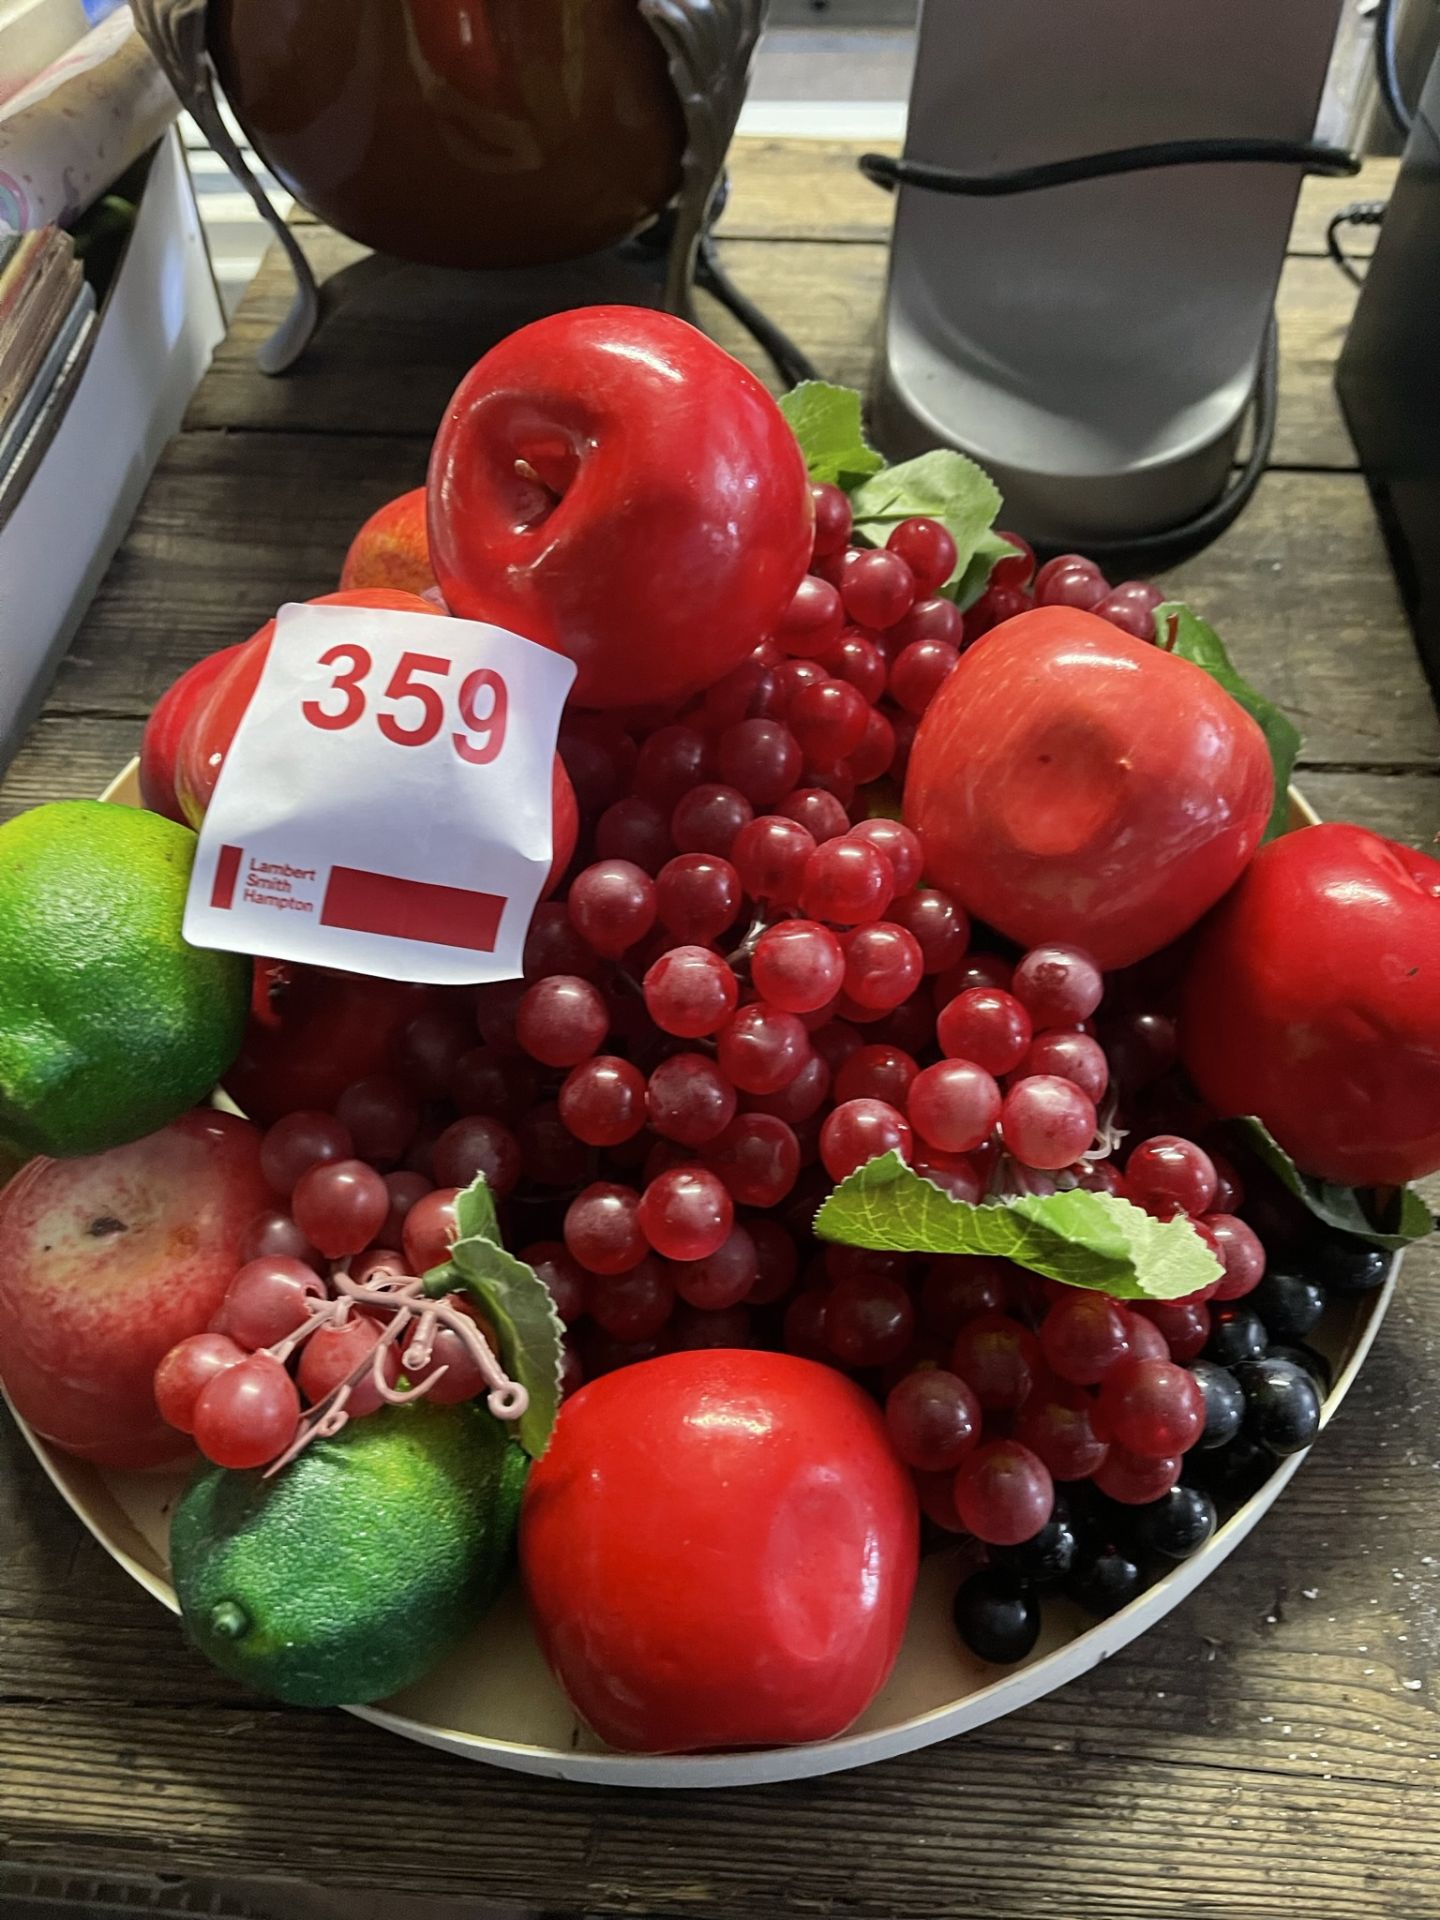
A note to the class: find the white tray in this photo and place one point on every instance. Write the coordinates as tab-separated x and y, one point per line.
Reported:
494	1699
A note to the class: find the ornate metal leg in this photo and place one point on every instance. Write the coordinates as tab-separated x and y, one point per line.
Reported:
174	30
708	45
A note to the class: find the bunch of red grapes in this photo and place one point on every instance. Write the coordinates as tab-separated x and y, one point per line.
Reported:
746	993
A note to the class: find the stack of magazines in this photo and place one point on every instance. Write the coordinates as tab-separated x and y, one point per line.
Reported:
47	309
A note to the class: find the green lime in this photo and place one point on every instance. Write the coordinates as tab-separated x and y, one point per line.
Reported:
110	1024
350	1573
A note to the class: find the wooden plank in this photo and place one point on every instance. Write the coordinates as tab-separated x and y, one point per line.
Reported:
826	296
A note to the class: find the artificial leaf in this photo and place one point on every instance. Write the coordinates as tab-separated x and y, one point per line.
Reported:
1391	1221
826	422
943	486
1084	1239
1180	631
516	1302
968	585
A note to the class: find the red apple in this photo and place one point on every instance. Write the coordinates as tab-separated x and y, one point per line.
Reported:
164	730
210	721
391	549
1312	999
1071	783
611	484
107	1262
719	1550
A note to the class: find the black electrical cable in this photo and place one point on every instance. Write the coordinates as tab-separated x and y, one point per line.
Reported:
1360	213
1313	155
1387	70
789	362
1170	543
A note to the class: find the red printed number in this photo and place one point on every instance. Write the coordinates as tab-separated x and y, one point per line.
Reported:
358	665
483	700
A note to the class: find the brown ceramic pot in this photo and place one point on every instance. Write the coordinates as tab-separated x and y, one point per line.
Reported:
466	133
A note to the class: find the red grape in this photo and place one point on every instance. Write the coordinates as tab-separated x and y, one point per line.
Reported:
1013	569
671	761
814	617
986	1025
246	1414
928	550
563	1276
761	1049
708	819
846	882
276	1234
876	1072
761	759
1003	1493
797	966
1058	986
998	1358
860	1130
828	719
1151	1407
832	518
1136	1479
883	965
757	1157
869	1321
1046	1122
602	1102
430	1229
776	1260
633	830
1241	1252
333	1354
380	1116
187	1370
611	906
1166	1171
474	1145
689	1099
953	1105
690	991
769	856
633	1305
686	1214
299	1142
1069	1056
875	754
1056	1423
957	1287
1083	1336
820	813
698	895
934	1419
562	1021
269	1299
603	1230
1184	1324
723	1278
340	1206
878	589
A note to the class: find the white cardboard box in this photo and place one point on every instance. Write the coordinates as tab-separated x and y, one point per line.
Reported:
158	327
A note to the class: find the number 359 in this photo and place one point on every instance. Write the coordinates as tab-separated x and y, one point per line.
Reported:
482	702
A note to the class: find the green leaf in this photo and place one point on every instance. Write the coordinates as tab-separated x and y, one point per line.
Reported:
826	422
1182	632
944	486
966	588
1391	1222
1084	1239
516	1302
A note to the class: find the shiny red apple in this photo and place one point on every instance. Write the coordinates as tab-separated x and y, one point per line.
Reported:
1071	783
1312	1000
610	483
719	1550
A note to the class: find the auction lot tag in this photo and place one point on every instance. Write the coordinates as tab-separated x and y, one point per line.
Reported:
384	806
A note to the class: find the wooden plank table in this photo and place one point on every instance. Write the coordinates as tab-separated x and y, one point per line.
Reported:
1273	1747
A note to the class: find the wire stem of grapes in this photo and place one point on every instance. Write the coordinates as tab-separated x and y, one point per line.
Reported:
404	1298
